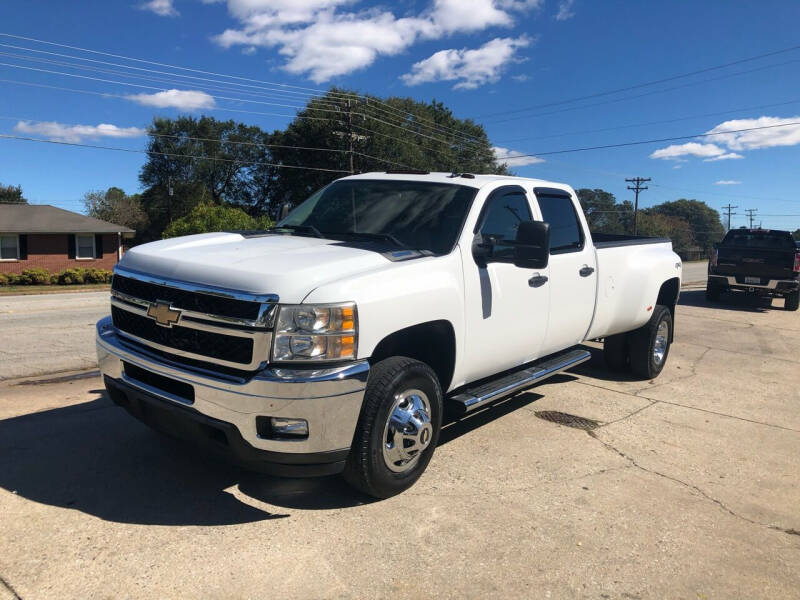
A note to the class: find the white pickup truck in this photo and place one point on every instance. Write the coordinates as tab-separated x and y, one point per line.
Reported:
336	341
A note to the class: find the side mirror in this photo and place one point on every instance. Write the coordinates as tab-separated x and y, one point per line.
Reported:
532	246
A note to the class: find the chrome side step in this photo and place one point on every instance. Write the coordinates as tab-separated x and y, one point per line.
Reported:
471	398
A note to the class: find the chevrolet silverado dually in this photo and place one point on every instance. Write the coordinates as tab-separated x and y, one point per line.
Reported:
336	341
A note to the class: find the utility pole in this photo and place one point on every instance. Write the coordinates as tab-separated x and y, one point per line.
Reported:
637	187
351	137
751	213
729	208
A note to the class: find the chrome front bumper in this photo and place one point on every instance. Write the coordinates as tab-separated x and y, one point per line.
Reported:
329	399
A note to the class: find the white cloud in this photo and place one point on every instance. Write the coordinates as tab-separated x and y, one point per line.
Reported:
521	78
470	68
565	10
181	99
163	8
323	39
726	156
677	151
727	182
501	156
762	138
766	132
75	133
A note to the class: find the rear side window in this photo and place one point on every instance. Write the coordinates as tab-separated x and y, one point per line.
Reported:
759	239
566	234
501	221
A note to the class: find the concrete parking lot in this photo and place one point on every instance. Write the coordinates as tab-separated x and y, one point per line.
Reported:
681	487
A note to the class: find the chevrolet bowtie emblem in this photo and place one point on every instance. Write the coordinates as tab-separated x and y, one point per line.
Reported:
163	313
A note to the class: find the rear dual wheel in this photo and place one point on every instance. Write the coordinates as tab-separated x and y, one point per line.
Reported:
792	301
643	351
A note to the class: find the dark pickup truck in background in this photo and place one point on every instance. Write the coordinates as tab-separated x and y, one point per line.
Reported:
764	262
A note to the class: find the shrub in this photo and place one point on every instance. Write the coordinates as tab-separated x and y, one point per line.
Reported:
36	276
96	276
3	279
70	276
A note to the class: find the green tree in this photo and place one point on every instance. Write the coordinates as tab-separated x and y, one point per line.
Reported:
704	222
675	228
225	157
796	234
115	206
162	207
603	213
395	133
10	194
205	218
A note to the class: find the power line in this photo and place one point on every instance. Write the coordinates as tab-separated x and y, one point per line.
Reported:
653	141
281	87
645	84
662	122
654	92
132	150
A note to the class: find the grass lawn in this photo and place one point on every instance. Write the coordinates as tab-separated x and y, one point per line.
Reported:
21	290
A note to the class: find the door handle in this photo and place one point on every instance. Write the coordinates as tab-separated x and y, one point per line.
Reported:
586	271
537	280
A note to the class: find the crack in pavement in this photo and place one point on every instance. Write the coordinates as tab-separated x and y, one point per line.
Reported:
691	486
10	588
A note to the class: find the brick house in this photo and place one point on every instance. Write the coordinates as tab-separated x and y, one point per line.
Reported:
43	236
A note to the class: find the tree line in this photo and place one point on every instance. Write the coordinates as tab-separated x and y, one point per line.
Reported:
692	225
205	173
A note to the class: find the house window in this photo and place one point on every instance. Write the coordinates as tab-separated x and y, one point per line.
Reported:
84	246
9	247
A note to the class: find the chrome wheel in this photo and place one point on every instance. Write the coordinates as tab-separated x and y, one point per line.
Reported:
661	343
408	430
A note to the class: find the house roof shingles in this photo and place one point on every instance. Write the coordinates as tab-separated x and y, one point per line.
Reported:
43	218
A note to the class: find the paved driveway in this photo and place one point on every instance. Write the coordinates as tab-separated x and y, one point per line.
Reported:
686	488
49	332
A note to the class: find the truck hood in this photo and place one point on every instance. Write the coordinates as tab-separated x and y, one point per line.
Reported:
289	266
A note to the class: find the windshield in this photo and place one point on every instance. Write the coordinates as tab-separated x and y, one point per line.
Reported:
759	239
417	214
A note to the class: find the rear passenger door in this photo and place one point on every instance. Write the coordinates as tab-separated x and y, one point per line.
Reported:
573	270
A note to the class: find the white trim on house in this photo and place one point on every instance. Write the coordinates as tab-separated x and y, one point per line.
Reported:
78	246
16	239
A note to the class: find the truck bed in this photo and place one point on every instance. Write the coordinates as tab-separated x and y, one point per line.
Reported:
613	240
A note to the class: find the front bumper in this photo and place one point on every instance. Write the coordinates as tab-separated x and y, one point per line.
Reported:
772	287
329	399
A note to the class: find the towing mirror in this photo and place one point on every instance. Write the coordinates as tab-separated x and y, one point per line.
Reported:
532	246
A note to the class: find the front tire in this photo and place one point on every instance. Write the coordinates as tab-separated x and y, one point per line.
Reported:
712	293
792	301
398	428
650	344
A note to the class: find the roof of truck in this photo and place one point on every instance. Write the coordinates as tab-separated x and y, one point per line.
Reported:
471	179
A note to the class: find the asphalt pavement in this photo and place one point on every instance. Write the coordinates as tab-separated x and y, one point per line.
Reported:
48	333
55	332
681	487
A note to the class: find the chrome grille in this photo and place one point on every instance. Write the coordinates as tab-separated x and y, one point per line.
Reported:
214	326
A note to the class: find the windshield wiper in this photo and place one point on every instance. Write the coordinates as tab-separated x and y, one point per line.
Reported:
382	237
307	229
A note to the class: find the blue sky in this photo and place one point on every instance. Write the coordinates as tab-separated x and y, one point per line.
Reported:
491	60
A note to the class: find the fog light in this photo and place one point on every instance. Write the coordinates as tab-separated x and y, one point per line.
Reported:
289	427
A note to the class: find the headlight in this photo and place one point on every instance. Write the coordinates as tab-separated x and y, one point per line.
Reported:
315	332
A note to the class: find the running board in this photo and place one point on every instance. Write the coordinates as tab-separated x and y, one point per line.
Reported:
480	395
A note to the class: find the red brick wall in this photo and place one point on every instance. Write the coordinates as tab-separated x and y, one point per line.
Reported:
50	251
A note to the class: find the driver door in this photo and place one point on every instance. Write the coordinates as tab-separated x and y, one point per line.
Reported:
507	307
